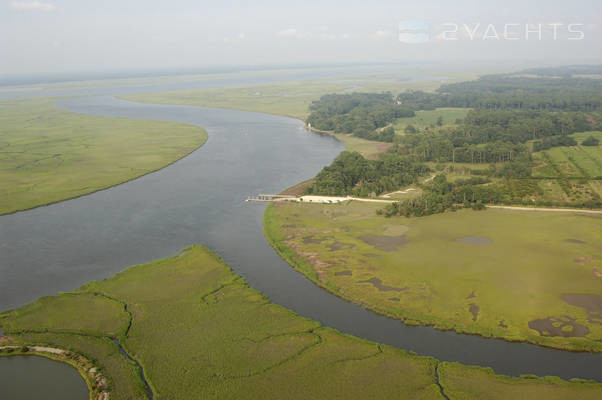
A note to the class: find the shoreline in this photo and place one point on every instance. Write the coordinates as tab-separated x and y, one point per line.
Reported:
264	215
295	261
97	383
204	139
102	188
85	369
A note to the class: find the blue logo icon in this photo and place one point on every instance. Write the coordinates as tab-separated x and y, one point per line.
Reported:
414	31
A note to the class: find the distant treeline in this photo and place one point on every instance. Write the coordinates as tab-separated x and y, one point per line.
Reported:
564	71
512	92
360	114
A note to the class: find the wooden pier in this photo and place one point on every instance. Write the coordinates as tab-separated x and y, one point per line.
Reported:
268	197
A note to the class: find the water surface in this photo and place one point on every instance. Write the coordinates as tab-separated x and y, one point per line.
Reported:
32	377
200	199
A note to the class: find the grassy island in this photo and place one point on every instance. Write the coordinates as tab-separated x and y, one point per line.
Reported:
198	331
49	154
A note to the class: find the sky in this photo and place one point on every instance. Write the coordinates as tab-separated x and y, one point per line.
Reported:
63	36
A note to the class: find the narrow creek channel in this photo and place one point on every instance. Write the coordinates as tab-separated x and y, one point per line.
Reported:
200	199
147	387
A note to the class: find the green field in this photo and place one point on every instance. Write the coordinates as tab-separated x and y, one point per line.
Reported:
574	173
368	148
570	161
200	332
526	276
427	119
49	155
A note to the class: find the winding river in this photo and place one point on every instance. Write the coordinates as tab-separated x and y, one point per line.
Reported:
200	199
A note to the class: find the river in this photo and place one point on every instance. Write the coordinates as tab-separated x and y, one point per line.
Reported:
200	199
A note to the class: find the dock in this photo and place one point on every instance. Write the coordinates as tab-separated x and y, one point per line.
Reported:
311	199
269	197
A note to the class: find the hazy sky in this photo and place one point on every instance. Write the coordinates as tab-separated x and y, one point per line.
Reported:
83	35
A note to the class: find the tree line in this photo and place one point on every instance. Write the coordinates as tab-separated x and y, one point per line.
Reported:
512	91
360	114
440	196
352	174
553	141
565	71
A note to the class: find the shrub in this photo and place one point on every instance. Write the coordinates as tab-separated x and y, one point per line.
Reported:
590	141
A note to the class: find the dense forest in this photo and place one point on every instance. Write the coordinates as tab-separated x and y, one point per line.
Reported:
487	136
360	114
507	112
511	116
352	174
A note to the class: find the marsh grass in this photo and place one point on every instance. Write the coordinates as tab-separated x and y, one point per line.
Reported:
520	275
285	98
467	383
200	332
49	155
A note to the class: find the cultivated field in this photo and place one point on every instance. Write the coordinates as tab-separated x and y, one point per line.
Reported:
516	275
569	173
50	155
200	332
570	161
